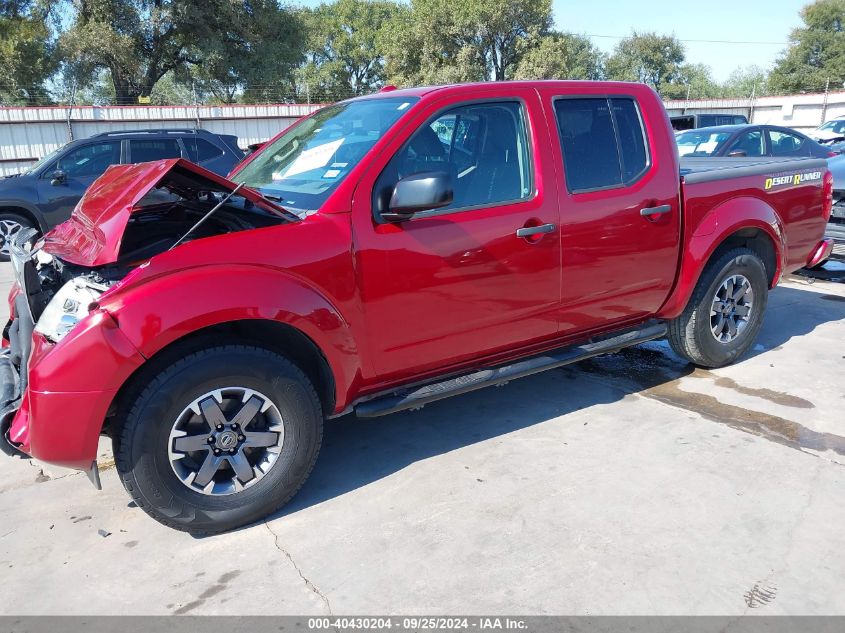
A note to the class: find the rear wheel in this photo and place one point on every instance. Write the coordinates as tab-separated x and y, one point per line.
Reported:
725	313
10	225
220	439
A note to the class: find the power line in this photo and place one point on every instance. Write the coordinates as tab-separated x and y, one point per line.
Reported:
622	37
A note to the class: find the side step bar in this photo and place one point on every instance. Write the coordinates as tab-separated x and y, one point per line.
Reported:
416	397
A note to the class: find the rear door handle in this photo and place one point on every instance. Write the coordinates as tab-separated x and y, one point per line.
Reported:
528	231
664	208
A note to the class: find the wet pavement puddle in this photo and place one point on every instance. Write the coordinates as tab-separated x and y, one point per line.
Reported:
656	375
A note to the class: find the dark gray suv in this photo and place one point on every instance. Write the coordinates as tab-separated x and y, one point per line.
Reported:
47	192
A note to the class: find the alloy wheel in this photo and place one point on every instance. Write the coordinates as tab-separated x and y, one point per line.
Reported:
225	441
8	231
731	308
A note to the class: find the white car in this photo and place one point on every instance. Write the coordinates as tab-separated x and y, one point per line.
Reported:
835	128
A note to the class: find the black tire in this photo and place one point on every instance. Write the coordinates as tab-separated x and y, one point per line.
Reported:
6	219
143	441
690	334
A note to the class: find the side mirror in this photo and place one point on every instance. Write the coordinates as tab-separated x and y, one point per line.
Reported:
738	153
58	177
419	192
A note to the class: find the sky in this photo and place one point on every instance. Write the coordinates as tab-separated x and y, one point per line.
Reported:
768	21
725	20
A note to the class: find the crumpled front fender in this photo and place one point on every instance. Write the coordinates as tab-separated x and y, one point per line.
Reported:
160	309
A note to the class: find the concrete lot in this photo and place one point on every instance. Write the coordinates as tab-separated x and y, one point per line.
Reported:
629	484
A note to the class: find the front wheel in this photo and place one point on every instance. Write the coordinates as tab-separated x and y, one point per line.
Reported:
725	313
220	439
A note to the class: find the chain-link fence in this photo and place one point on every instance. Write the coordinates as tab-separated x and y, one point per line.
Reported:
12	96
167	92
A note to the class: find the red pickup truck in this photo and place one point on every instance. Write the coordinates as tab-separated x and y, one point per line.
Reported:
381	254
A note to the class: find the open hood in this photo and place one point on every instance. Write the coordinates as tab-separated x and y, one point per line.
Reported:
93	235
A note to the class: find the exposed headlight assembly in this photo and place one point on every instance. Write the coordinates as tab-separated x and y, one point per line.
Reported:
68	307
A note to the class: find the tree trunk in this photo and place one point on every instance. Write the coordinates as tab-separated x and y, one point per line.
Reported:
125	91
498	60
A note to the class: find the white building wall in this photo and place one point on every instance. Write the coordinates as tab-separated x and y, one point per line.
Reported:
801	112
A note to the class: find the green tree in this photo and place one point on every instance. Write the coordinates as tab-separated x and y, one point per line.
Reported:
694	81
745	82
561	56
647	58
816	51
140	41
171	90
464	40
344	54
93	89
423	46
27	56
256	59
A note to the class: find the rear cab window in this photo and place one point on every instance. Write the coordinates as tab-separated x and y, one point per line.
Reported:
603	142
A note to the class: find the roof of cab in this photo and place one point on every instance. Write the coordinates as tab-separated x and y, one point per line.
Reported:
568	85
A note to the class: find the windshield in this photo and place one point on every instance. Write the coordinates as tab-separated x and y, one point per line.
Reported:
303	166
834	126
42	161
697	143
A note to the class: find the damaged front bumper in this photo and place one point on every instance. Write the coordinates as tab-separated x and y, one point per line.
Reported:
10	402
57	396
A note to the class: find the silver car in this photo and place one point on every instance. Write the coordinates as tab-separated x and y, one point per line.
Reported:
836	225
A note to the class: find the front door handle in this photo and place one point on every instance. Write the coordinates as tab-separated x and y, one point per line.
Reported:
528	231
664	208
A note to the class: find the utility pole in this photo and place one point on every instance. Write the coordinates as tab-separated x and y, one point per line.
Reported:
196	103
824	103
70	109
751	107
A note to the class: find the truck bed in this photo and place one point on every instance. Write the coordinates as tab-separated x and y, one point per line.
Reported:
786	193
704	169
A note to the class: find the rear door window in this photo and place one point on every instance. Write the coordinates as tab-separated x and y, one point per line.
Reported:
784	143
144	150
748	144
199	150
603	142
632	145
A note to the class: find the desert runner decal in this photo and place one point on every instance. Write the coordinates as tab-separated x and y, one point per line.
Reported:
792	179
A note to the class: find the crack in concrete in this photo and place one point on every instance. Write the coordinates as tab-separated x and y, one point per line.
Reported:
40	477
311	586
